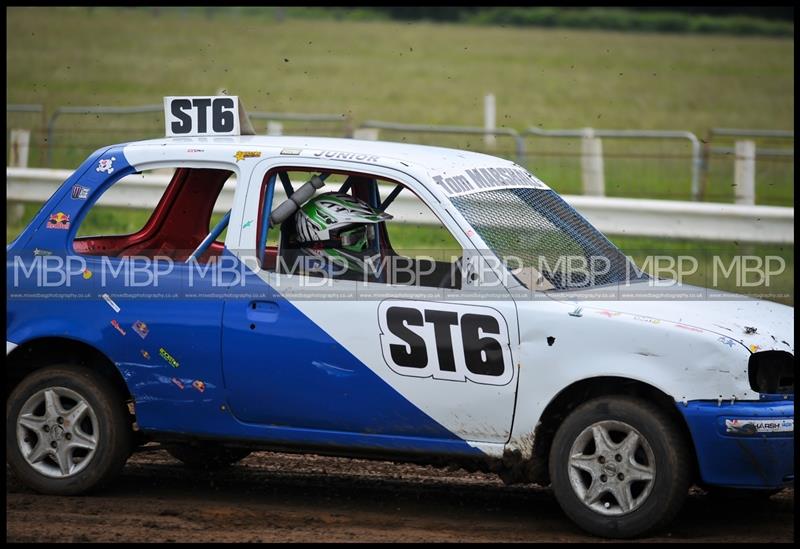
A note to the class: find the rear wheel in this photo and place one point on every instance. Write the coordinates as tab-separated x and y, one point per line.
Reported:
67	430
619	467
206	456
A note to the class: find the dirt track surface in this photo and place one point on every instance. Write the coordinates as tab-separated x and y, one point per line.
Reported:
274	497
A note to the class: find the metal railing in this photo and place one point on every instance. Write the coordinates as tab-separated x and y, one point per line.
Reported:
629	216
696	150
158	109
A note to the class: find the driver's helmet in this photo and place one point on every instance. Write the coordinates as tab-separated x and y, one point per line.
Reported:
339	231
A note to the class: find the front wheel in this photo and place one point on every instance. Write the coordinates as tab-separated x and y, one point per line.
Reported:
619	467
67	430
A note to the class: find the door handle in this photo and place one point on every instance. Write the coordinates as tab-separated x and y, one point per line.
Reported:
263	311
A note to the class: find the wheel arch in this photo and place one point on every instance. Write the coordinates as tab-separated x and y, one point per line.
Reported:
38	353
581	391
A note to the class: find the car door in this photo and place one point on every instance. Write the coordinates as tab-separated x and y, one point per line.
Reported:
367	357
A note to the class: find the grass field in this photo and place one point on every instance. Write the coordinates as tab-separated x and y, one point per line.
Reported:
415	73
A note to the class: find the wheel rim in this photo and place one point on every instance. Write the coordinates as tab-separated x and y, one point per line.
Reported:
612	468
57	432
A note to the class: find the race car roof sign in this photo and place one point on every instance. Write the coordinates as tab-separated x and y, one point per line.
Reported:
205	116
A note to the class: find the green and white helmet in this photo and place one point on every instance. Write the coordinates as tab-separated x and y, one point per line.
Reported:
339	229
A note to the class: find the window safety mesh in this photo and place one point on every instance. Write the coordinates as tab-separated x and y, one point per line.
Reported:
539	228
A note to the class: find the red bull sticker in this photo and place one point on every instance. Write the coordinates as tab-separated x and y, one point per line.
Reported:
116	325
140	328
86	273
58	220
145	354
199	385
241	155
178	383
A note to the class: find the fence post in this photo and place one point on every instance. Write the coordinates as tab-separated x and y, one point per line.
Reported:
367	134
592	164
489	120
745	173
274	128
18	158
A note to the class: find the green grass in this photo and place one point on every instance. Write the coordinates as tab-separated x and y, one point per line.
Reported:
413	73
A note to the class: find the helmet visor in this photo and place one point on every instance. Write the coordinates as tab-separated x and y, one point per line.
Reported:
358	238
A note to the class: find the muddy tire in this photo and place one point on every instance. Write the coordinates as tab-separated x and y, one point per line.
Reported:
620	467
68	430
206	456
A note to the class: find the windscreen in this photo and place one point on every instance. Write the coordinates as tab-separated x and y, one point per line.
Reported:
543	240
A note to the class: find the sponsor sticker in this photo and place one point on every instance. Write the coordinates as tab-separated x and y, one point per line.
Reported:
178	382
726	341
79	192
485	179
86	273
756	426
140	328
199	385
247	224
609	314
111	303
145	354
58	220
647	319
168	357
40	252
690	328
116	325
754	348
241	155
106	165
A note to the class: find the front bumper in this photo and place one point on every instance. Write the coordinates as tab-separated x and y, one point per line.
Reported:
743	445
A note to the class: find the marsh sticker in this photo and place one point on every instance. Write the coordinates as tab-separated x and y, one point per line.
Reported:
446	341
754	426
487	179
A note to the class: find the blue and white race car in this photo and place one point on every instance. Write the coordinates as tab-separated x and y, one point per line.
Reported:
317	324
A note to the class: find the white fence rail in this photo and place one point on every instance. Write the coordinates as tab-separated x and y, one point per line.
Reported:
622	216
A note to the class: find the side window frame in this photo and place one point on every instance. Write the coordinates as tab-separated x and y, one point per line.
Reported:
247	240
